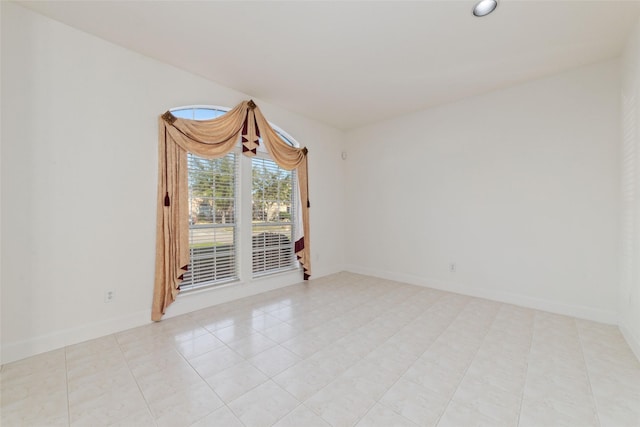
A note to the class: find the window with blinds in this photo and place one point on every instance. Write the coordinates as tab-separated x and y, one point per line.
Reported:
212	221
273	192
214	206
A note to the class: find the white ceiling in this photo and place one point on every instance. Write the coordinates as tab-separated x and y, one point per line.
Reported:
350	63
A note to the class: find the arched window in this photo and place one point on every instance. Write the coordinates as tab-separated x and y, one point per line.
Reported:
225	196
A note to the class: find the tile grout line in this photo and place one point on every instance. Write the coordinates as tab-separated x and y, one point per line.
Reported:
225	344
526	369
307	358
409	367
390	309
586	369
270	378
376	401
421	354
207	383
470	362
328	345
126	361
245	359
66	382
536	314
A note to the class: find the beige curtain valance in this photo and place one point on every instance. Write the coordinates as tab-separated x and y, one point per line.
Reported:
212	138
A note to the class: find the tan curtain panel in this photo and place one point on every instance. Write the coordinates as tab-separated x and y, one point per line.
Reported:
211	139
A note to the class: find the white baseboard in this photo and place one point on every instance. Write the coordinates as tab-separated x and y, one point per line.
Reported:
30	347
582	312
632	339
335	269
187	302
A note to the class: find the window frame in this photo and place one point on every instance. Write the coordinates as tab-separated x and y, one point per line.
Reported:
293	263
188	283
243	209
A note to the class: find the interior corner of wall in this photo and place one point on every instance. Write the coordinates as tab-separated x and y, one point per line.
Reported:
632	339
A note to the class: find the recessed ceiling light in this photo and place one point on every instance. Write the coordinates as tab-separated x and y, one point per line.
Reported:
485	7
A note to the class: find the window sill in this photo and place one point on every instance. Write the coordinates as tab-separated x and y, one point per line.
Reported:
207	288
273	273
257	279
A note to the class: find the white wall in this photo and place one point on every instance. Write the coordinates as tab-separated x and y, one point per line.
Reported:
79	138
1	186
629	296
518	188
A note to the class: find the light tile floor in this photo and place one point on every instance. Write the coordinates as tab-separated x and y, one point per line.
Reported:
341	350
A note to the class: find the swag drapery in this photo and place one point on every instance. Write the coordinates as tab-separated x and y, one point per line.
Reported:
211	139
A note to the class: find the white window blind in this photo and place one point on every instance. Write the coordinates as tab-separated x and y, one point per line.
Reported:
212	221
273	204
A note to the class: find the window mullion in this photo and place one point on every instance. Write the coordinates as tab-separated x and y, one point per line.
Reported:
244	215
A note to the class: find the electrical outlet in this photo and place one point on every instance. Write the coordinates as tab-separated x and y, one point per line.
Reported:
109	296
452	267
